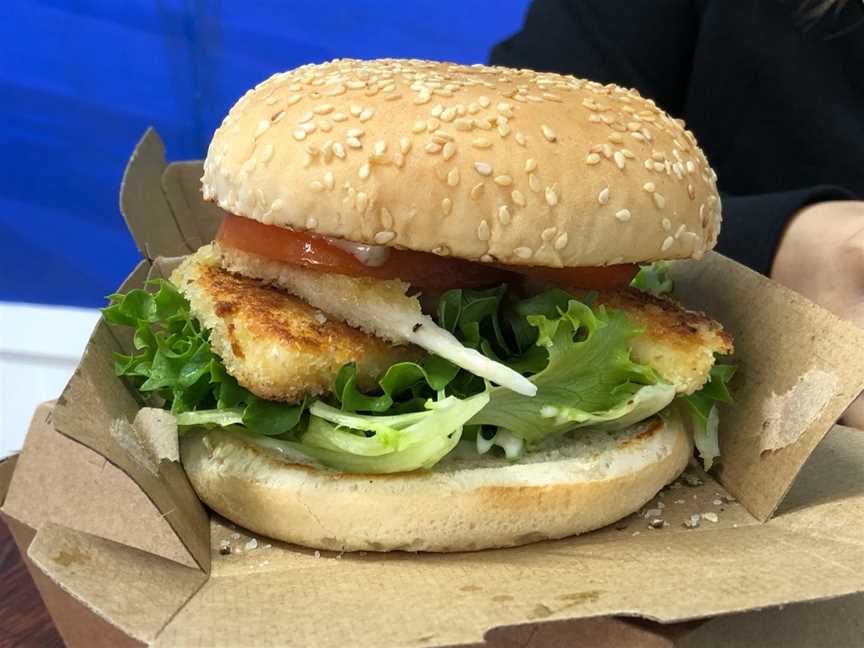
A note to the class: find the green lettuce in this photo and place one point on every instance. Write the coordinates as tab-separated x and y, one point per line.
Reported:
174	364
588	378
702	407
654	278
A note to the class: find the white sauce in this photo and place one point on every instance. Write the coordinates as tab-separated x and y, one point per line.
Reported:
369	255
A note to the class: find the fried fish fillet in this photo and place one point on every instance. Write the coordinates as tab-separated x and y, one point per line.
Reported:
680	344
275	345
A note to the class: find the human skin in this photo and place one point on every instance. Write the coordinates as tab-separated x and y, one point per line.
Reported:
821	256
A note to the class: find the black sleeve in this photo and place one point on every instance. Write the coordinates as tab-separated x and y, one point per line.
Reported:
753	225
647	44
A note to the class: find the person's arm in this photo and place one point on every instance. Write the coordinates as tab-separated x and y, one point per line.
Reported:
642	45
821	256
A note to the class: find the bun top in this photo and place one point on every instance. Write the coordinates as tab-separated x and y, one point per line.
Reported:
485	163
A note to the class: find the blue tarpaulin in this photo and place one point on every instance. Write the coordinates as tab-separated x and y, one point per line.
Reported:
80	81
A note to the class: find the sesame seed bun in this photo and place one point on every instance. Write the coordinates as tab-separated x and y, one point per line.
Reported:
584	482
484	163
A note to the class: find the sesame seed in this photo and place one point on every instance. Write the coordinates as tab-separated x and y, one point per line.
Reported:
448	115
619	159
551	196
627	153
667	243
355	110
504	215
481	143
592	159
422	98
339	117
607	151
623	215
649	187
366	115
503	180
691	168
364	171
306	117
362	201
483	124
518	197
523	252
659	200
354	132
659	167
436	111
548	133
603	196
323	109
680	230
446	206
483	168
270	101
418	127
548	234
615	138
476	190
399	160
691	192
263	125
483	232
667	224
453	177
449	150
299	135
309	127
266	153
329	181
432	147
464	124
561	241
405	144
386	218
533	182
432	125
530	165
520	139
338	150
484	101
504	129
594	118
380	147
316	186
382	238
294	99
353	142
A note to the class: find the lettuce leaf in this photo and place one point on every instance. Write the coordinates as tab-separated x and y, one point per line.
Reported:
174	363
702	407
588	379
387	444
654	278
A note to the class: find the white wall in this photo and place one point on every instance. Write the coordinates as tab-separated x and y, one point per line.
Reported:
39	349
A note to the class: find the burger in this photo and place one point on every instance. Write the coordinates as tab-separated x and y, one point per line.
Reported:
426	321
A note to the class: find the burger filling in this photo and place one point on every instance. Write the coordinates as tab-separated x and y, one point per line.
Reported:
377	360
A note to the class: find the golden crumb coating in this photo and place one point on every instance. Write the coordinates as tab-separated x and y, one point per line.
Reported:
680	344
275	345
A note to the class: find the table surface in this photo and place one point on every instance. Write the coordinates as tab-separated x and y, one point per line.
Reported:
24	621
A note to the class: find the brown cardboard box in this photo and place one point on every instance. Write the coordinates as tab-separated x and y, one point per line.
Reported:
119	544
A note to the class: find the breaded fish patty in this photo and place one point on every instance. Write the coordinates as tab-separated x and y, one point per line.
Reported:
275	345
680	344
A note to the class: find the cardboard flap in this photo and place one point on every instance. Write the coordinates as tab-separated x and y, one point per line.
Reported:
134	590
143	204
7	467
799	367
197	220
97	409
58	480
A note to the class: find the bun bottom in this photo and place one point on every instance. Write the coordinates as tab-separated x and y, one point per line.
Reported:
583	482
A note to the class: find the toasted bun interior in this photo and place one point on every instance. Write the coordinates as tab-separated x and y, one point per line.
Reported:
485	163
584	482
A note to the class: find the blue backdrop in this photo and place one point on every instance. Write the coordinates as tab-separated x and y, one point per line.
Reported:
80	81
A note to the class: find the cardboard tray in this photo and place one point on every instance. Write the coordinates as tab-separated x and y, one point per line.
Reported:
117	539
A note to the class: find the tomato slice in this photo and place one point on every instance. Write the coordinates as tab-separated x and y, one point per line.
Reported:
421	269
613	277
